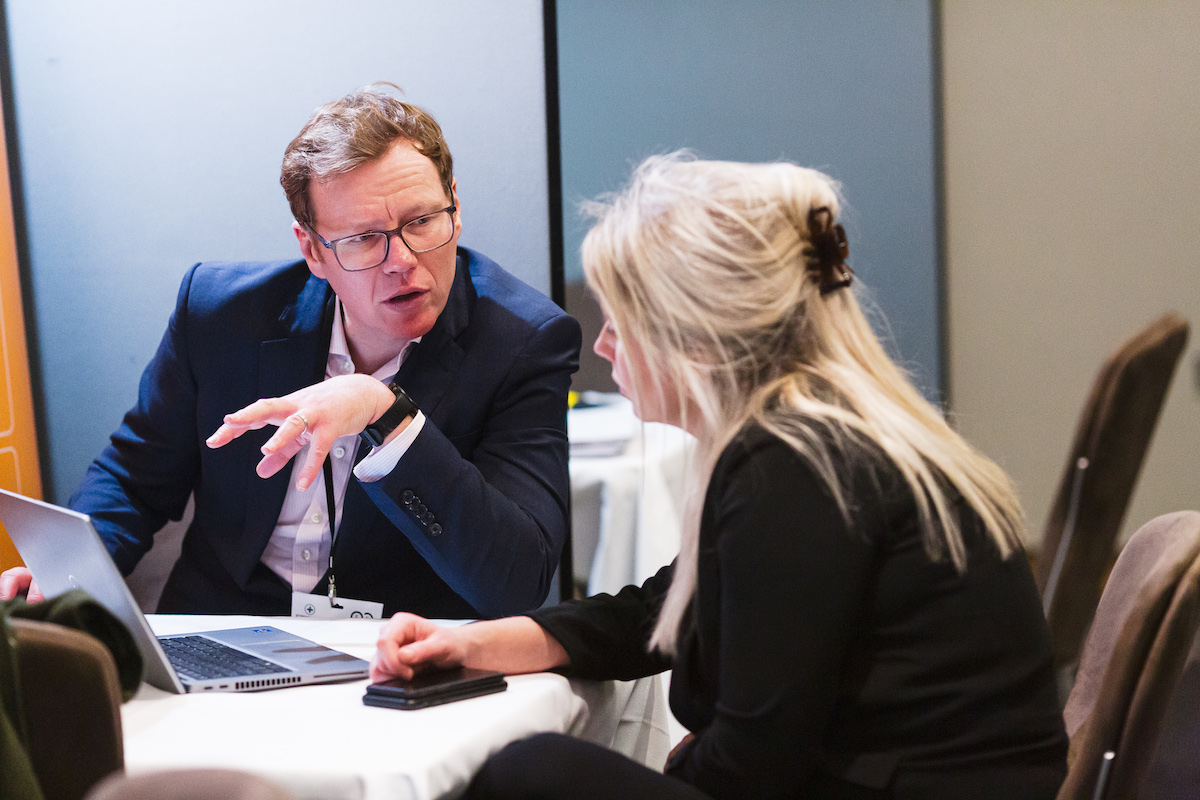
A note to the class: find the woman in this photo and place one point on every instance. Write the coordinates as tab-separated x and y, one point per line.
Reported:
851	613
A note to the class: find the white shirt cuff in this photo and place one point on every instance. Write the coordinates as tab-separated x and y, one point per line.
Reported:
383	459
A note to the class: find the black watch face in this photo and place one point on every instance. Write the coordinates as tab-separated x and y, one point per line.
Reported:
402	408
404	404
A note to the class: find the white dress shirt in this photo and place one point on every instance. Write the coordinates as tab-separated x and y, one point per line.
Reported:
298	550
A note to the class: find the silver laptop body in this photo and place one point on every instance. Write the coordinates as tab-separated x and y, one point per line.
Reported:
63	551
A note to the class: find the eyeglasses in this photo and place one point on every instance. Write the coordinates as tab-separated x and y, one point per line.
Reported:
370	249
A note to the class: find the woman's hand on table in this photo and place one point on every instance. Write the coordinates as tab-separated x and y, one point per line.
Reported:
409	644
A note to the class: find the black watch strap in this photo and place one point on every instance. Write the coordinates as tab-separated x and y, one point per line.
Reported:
399	411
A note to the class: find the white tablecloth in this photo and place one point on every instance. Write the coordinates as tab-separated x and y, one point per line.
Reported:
627	486
322	742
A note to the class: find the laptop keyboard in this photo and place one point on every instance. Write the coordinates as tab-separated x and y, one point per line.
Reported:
201	658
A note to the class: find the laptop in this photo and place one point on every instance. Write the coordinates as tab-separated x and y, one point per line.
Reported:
63	551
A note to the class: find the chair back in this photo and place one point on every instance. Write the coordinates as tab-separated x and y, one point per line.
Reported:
1174	769
190	784
1133	656
71	702
1110	445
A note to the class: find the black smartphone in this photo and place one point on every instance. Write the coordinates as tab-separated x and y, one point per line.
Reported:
434	688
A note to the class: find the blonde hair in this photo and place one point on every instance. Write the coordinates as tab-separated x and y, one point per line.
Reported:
704	265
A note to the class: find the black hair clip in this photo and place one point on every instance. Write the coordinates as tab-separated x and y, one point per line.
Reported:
828	250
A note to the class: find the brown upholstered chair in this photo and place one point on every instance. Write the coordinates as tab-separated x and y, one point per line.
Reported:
190	784
1110	444
1134	654
1174	769
70	697
71	702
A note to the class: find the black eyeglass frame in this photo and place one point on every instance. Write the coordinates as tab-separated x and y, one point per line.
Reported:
387	241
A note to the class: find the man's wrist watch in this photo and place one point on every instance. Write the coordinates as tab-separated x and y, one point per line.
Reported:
399	411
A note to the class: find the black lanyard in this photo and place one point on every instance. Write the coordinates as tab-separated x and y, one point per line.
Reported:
331	513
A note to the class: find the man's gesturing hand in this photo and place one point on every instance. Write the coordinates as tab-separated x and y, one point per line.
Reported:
315	415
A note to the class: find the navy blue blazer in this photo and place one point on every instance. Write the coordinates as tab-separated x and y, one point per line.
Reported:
489	467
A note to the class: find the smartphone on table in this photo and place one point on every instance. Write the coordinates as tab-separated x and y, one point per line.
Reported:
434	688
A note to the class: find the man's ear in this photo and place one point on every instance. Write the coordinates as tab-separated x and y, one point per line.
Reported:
454	198
309	249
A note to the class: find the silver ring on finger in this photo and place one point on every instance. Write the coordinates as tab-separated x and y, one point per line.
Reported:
303	419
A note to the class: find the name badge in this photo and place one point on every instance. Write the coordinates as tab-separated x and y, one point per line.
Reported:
319	606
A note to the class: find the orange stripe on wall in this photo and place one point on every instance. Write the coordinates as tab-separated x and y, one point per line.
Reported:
18	436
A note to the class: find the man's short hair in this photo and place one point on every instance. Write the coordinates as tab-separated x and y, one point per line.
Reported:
360	127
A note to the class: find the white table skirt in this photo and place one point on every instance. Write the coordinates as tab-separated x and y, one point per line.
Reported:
627	502
322	742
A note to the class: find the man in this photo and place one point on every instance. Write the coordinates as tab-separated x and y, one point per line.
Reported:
456	373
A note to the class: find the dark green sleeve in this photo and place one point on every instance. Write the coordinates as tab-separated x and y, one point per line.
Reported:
75	609
79	610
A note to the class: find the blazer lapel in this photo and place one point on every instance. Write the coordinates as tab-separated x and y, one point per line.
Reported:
294	361
426	375
429	369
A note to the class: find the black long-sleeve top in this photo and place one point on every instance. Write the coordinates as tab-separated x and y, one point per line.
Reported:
827	659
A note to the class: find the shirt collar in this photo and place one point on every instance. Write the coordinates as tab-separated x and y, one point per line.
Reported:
339	361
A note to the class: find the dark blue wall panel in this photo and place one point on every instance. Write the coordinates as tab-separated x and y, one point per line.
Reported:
846	87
